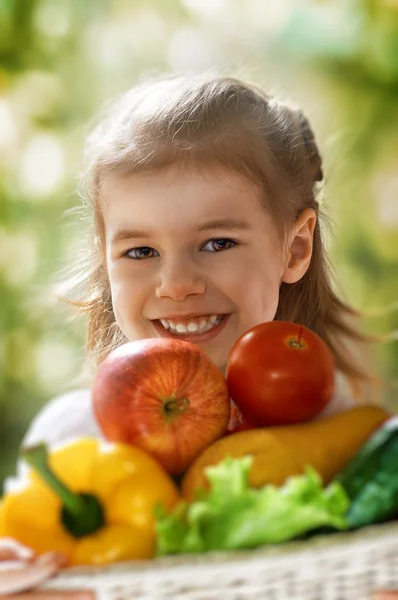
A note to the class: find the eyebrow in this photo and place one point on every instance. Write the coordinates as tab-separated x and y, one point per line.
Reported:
219	224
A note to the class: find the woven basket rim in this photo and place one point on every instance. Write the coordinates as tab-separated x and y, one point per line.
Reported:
292	548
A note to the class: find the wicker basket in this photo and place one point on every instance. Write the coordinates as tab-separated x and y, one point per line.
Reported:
342	566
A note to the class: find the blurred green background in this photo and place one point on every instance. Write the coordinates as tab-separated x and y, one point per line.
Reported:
60	60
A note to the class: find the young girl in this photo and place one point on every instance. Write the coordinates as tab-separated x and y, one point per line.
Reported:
202	193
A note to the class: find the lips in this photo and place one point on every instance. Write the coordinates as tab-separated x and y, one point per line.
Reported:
192	337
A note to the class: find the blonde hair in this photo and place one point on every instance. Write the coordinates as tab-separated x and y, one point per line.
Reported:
205	121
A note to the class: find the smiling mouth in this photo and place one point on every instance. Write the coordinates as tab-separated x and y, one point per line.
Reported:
208	329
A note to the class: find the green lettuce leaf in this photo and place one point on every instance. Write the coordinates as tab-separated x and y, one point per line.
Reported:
232	515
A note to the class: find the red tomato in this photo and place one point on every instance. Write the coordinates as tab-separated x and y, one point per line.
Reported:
237	422
280	373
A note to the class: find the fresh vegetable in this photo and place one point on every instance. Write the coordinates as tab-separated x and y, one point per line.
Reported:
162	395
371	478
232	515
280	373
92	501
279	452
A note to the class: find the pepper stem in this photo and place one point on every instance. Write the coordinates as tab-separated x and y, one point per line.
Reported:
82	513
37	457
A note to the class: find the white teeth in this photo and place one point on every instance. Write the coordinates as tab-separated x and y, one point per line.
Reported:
204	324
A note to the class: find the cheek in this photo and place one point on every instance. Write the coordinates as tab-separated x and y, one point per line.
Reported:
257	298
127	301
260	308
119	296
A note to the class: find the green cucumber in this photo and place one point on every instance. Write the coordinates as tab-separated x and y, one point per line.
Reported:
371	478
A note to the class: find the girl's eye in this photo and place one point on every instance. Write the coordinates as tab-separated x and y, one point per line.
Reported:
218	244
214	245
141	252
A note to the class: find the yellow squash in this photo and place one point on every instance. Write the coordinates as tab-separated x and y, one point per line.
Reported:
279	452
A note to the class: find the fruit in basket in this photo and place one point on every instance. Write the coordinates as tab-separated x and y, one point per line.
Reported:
279	452
163	395
280	373
92	501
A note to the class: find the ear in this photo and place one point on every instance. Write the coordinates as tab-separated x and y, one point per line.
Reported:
300	244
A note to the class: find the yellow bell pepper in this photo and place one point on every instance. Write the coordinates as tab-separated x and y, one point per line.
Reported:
91	500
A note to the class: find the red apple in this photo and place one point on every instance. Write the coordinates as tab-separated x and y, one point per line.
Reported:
163	395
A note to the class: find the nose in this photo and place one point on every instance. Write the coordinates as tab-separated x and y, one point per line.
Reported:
178	280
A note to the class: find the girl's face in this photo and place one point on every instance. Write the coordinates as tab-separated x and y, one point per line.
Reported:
192	256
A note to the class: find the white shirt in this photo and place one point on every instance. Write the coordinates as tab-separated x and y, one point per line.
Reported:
71	416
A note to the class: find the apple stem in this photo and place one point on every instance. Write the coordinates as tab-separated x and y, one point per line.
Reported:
176	405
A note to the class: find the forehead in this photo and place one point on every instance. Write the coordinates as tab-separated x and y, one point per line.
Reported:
178	198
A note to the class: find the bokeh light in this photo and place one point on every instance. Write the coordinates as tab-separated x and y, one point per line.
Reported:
42	166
